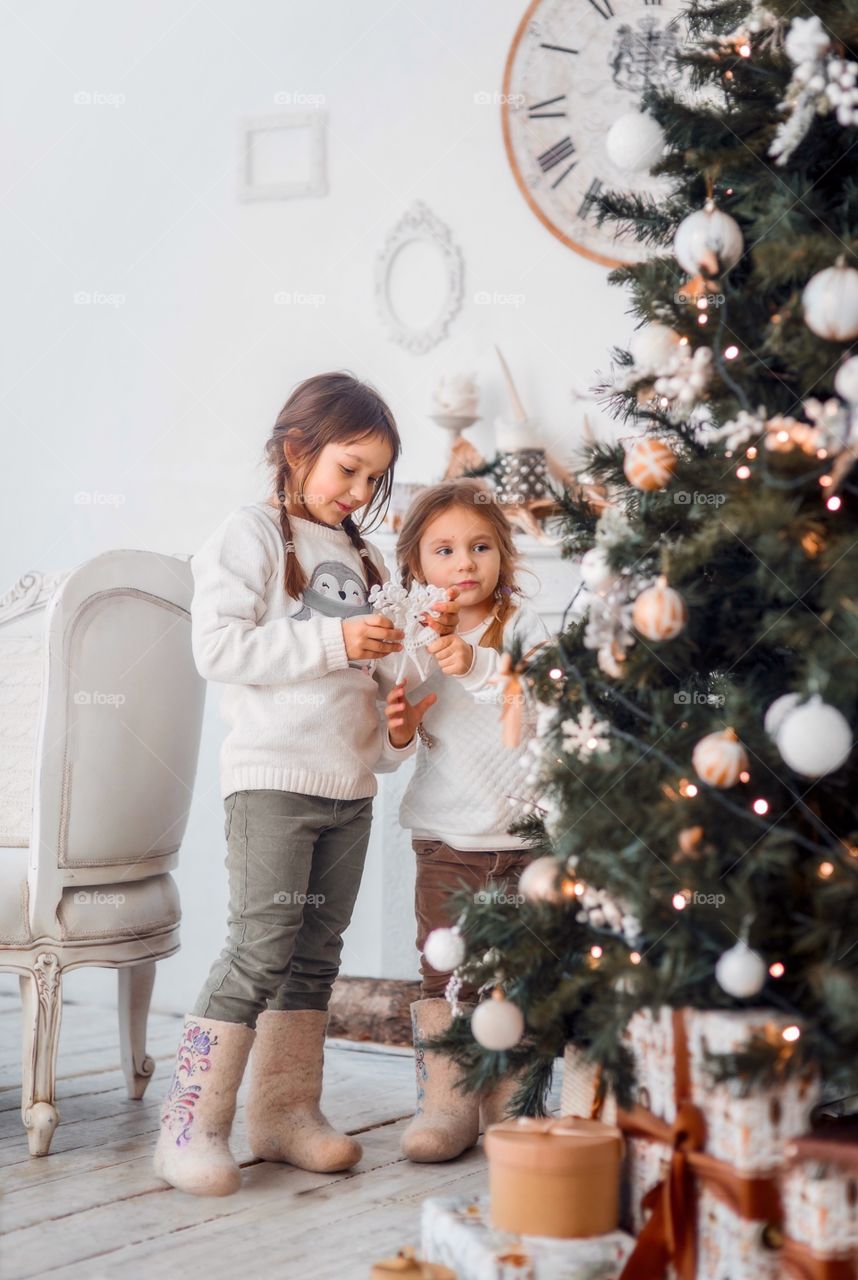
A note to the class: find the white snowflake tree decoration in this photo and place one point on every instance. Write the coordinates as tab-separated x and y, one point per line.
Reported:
585	736
404	608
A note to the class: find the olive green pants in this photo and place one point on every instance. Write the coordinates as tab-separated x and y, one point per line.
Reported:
295	864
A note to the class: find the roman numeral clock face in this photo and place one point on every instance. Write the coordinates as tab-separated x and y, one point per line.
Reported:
575	66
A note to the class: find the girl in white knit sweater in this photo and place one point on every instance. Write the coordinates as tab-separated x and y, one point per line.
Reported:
459	802
280	617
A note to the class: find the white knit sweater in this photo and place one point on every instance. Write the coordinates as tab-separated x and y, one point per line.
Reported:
468	788
300	716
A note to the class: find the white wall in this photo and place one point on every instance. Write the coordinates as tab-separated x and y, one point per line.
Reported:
162	403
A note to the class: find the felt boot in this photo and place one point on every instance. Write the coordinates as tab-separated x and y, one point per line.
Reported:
192	1152
495	1100
446	1121
283	1117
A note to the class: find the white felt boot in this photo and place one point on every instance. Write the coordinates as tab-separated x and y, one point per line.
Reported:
192	1152
446	1121
284	1121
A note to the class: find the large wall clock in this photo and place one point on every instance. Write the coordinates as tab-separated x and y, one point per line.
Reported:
573	68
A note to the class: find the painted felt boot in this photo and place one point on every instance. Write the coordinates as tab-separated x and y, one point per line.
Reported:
495	1100
192	1152
446	1122
284	1121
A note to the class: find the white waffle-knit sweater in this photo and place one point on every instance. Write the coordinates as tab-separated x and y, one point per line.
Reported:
468	787
300	716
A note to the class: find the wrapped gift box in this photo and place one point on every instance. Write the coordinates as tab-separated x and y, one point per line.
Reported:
457	1232
748	1133
819	1194
732	1146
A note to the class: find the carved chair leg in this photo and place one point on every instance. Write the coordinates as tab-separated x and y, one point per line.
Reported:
41	1005
135	992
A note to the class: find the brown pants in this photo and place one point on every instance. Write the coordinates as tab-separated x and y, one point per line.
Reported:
441	870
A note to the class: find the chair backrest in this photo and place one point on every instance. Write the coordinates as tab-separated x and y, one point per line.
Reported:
120	725
22	640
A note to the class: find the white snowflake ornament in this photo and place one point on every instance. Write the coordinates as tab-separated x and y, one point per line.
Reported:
585	735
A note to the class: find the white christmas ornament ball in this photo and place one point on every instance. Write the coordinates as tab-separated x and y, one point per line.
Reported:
846	380
635	142
708	240
778	712
741	972
654	345
538	881
596	573
815	738
830	301
444	949
497	1024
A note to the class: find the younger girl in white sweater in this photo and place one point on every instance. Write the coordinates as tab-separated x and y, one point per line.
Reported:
280	618
462	796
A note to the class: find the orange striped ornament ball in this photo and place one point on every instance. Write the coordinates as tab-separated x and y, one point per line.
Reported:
649	465
659	613
720	758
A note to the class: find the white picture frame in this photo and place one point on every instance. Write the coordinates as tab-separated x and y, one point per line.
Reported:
419	223
312	183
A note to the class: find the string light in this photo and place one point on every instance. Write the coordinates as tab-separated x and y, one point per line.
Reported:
731	352
777	970
825	481
635	957
743	472
702	318
745	50
687	788
596	952
834	503
751	452
744	776
680	901
822	453
683	341
790	1034
826	869
579	888
555	674
761	806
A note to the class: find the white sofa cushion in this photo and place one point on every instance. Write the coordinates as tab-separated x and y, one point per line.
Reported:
90	913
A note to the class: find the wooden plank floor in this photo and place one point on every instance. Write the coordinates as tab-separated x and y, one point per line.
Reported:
93	1208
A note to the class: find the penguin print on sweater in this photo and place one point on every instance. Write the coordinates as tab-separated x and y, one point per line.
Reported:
334	591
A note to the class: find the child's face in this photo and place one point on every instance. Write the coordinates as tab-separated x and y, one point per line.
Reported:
460	548
344	478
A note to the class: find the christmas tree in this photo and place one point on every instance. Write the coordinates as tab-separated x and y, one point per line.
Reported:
696	826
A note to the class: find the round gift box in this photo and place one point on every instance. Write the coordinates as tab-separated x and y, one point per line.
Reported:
554	1177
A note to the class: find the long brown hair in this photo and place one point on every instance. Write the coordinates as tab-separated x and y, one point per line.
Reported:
473	496
326	409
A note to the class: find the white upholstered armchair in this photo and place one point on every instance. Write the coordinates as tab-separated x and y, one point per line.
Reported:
100	719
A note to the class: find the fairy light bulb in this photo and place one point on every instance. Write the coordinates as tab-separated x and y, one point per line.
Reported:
702	318
731	352
825	870
834	503
635	957
743	472
680	901
791	1034
596	952
745	50
777	969
751	452
822	453
579	888
683	341
744	776
555	674
761	806
702	304
825	481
